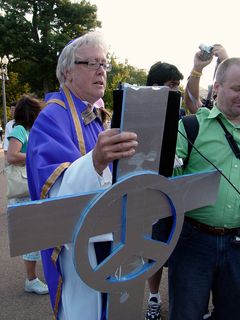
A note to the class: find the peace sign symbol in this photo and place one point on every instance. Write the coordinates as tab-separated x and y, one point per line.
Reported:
127	210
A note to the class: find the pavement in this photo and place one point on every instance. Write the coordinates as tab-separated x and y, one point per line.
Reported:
15	304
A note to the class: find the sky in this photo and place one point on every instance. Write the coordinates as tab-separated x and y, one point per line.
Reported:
144	32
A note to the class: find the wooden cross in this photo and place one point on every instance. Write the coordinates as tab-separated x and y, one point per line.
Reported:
127	209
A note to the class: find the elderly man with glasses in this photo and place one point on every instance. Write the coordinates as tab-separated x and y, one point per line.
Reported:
69	152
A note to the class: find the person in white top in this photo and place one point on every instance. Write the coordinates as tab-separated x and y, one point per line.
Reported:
9	127
1	133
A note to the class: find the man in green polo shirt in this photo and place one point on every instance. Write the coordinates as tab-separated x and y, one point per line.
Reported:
207	256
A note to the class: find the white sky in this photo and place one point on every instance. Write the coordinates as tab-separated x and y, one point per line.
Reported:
144	32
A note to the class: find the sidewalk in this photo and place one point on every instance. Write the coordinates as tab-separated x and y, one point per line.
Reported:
15	304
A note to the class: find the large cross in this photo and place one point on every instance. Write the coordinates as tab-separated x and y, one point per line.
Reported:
127	209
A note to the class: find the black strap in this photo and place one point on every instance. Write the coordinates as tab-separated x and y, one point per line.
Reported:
232	143
210	89
191	127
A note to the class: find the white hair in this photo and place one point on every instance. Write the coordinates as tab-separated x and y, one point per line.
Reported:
67	56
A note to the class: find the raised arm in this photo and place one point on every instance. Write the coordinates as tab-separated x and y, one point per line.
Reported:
192	96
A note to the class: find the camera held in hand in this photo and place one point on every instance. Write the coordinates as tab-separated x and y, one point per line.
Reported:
206	52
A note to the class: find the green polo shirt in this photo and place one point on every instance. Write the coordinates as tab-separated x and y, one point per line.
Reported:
212	143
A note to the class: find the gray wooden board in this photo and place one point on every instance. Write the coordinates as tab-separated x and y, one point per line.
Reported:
144	112
49	223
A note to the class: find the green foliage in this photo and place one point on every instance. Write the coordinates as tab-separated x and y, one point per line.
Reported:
14	89
122	72
32	35
183	104
34	32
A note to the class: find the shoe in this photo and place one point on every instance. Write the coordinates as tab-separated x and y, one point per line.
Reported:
209	316
36	286
153	310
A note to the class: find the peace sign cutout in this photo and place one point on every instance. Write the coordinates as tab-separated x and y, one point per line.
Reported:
128	210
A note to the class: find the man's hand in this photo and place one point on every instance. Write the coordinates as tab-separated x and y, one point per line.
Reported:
199	64
111	145
220	52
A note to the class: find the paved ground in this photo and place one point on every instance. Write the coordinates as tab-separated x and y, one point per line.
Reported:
15	304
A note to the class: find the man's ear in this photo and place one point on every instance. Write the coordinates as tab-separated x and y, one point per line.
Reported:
68	75
216	86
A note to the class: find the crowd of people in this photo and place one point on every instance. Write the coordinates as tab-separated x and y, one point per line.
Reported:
69	151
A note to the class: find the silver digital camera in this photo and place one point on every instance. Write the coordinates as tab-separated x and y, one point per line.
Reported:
206	52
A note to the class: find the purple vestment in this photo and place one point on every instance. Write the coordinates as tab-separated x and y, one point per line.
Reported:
58	138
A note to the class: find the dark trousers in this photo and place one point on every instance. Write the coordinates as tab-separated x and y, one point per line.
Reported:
202	263
103	250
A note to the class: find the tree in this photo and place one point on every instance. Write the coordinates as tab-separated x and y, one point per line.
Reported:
122	72
14	89
34	32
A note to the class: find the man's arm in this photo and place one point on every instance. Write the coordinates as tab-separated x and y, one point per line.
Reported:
192	95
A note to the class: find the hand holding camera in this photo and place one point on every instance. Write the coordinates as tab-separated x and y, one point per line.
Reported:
206	52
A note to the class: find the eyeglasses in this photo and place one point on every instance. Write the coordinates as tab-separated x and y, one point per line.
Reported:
93	65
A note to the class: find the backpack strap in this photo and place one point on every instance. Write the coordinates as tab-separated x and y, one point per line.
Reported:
191	127
232	143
